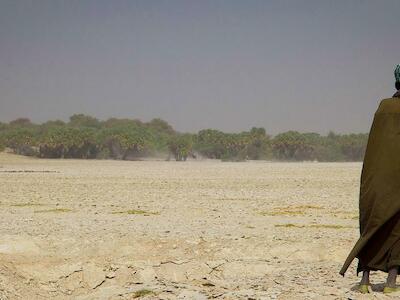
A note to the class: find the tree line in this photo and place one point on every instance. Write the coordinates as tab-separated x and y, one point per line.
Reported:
86	137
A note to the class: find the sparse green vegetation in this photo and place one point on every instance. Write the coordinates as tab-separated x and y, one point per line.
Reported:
299	210
307	206
142	293
54	210
250	227
330	226
27	204
283	213
136	212
233	199
289	225
326	226
352	215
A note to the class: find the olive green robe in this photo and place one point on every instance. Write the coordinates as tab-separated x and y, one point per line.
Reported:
378	247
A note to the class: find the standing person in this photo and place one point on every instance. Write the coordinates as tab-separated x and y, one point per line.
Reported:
378	247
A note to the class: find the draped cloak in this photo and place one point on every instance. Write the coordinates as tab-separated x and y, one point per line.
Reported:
378	247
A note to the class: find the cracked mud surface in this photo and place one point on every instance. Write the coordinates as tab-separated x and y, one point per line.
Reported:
74	229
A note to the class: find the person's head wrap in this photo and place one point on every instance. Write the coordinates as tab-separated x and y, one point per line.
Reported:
397	73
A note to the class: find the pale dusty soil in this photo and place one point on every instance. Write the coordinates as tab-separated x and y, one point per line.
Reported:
211	229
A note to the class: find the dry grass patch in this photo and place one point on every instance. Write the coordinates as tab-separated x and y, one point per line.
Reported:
308	206
330	226
342	214
27	204
233	199
250	227
283	213
289	225
136	212
325	226
302	210
298	210
353	217
54	210
142	293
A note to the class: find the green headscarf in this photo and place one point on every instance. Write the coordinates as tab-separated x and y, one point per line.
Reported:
397	73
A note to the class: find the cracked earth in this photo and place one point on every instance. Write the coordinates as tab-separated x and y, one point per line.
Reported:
75	229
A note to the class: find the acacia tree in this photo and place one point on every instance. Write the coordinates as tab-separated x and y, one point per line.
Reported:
161	126
126	142
82	144
68	142
21	122
210	143
3	126
3	130
235	146
49	124
353	146
81	120
181	146
21	140
259	145
292	145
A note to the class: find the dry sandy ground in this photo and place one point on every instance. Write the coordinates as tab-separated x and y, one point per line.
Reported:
74	229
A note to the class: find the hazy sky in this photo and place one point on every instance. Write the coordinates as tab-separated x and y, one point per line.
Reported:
305	65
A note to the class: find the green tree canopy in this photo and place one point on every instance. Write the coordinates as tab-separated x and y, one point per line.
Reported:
81	120
87	137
